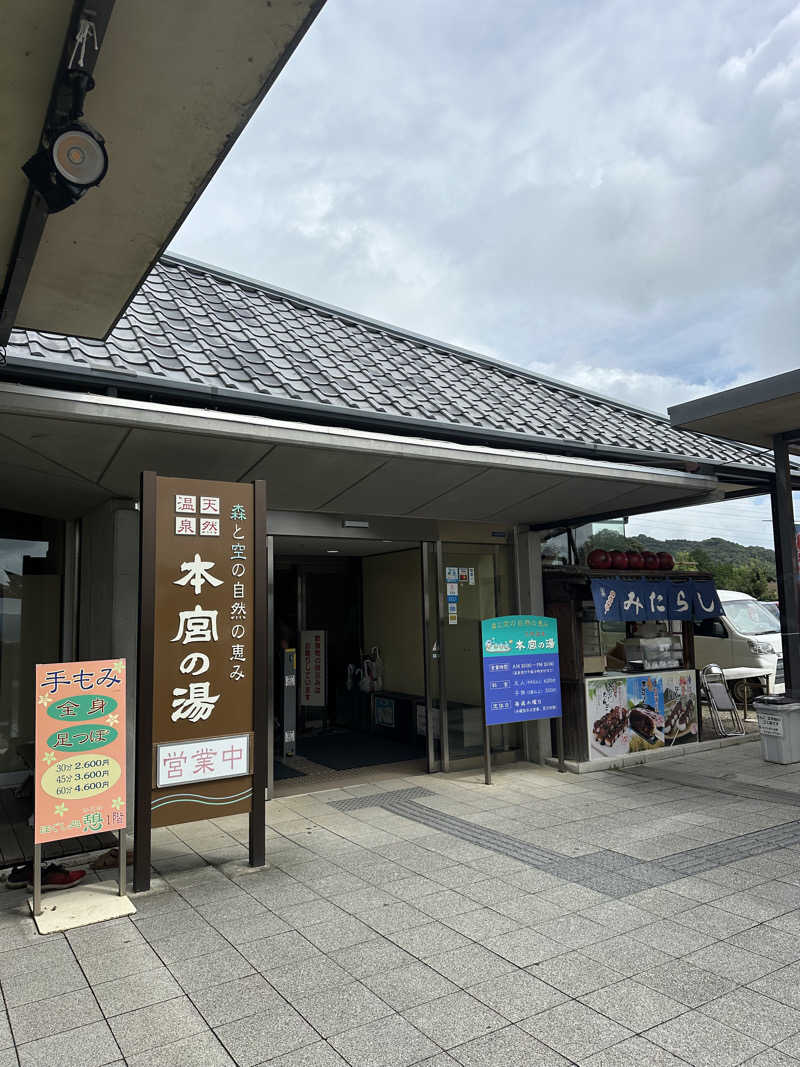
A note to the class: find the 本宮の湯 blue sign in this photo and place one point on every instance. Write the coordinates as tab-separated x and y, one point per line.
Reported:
521	678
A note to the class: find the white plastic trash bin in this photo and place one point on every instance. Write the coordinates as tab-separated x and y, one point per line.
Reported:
779	723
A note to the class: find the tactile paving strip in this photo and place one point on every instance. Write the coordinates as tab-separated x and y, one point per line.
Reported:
612	873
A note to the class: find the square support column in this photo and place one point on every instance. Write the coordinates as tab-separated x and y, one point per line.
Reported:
783	523
537	746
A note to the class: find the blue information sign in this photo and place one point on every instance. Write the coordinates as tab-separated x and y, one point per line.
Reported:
521	677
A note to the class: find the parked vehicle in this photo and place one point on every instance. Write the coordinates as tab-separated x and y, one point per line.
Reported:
748	635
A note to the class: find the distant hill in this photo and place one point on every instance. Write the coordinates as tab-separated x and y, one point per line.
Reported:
717	549
747	568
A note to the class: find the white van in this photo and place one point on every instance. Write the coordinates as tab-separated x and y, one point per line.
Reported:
747	635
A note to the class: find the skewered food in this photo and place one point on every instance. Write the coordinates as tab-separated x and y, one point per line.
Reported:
678	717
607	729
642	723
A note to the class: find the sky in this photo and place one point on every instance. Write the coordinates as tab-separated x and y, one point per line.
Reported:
605	191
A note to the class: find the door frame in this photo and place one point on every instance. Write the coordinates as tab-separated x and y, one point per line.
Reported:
434	630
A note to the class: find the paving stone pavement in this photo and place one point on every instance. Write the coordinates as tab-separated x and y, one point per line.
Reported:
603	920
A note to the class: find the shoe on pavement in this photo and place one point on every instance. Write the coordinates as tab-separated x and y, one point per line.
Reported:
20	876
54	876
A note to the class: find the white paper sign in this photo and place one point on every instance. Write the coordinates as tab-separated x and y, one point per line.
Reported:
770	725
185	762
312	669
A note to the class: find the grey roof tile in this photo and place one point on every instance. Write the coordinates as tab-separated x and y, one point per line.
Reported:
192	324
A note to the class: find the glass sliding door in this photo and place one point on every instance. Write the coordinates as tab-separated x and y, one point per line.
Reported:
429	717
478	583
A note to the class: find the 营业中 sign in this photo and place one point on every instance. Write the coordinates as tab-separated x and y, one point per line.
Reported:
213	757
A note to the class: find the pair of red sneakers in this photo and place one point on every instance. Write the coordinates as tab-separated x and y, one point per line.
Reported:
54	876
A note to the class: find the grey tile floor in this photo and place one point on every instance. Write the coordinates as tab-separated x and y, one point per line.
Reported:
605	920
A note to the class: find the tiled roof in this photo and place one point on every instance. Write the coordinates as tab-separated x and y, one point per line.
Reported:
196	326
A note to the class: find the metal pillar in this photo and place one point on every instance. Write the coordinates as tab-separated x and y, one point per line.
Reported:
522	604
262	678
37	880
271	639
123	861
426	550
786	562
144	685
441	598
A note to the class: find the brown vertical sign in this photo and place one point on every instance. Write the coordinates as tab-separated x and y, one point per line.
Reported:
202	716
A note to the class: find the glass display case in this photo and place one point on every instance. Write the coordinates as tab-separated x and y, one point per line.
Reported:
659	652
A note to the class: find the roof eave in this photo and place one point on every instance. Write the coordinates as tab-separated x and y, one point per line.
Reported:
33	371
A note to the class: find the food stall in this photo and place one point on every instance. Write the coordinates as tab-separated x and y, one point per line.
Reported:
626	642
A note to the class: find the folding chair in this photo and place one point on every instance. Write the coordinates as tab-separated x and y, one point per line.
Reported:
719	699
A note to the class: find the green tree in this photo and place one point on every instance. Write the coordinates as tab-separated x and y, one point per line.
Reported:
752	578
702	559
747	568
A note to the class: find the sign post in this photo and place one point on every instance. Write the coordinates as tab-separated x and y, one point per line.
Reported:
80	757
202	724
521	677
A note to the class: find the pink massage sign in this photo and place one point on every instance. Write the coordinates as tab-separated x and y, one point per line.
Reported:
80	749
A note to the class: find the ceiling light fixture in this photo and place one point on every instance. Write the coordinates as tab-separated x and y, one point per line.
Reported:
72	157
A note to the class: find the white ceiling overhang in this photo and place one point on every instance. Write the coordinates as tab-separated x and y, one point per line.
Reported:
65	453
176	83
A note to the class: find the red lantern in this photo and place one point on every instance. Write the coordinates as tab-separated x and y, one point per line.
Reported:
635	561
650	561
665	561
619	561
599	559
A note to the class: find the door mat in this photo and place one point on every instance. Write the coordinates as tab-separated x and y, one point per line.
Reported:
344	751
282	771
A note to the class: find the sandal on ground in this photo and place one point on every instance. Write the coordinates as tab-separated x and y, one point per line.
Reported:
111	859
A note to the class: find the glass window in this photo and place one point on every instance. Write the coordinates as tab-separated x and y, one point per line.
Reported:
710	628
751	618
31	568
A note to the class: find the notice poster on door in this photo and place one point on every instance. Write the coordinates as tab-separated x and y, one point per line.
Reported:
384	712
313	671
80	749
521	676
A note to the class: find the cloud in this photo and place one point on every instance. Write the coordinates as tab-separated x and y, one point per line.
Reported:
605	191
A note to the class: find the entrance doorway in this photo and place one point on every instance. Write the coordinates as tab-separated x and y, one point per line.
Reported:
377	656
349	659
464	584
